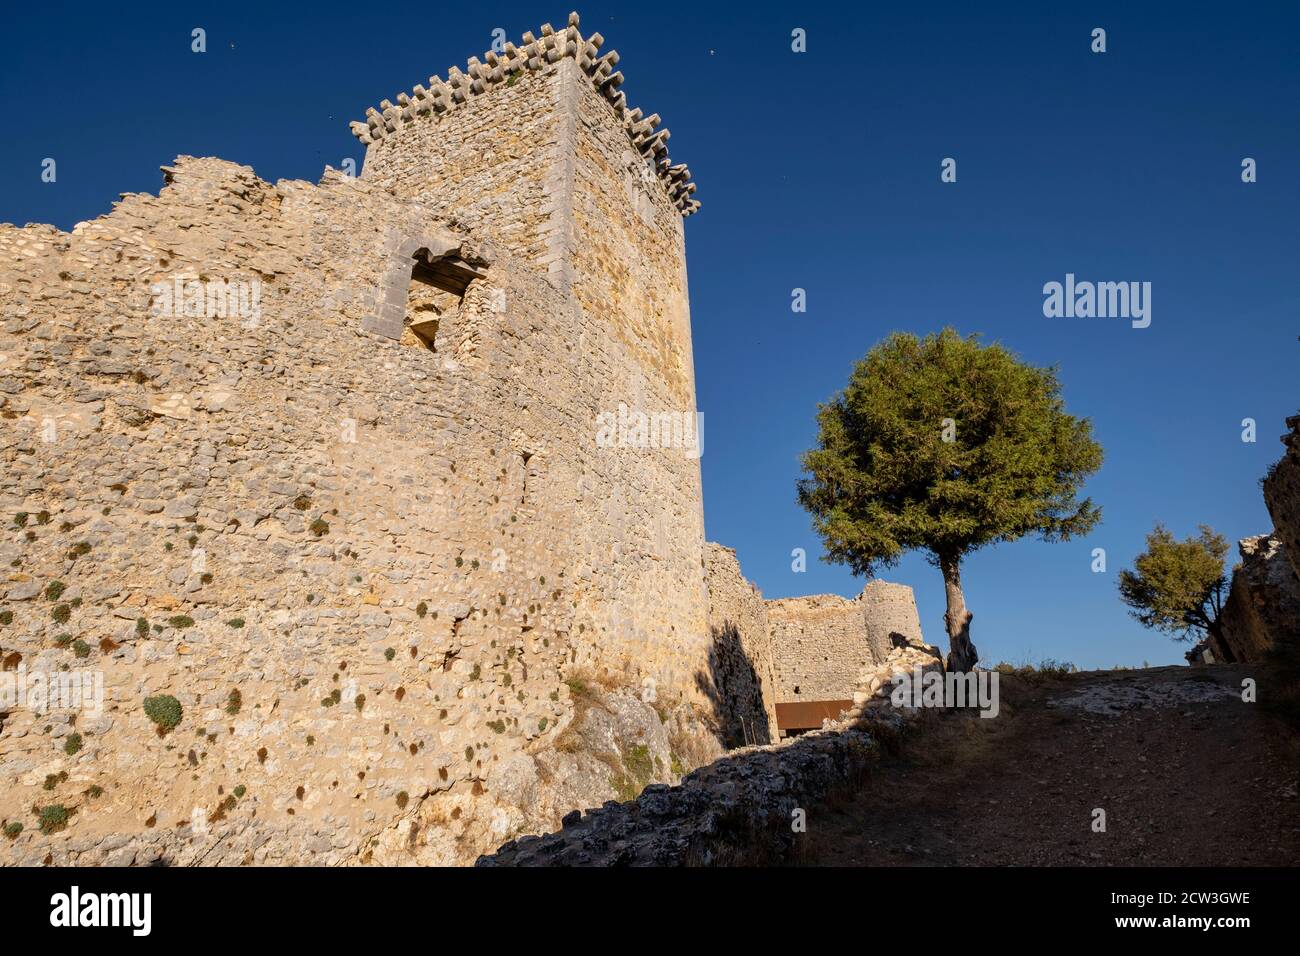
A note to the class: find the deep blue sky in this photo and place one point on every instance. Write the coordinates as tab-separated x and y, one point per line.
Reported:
821	171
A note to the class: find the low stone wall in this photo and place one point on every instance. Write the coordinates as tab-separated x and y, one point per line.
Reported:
737	810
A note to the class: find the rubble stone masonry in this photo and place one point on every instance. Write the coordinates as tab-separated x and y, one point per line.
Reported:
821	643
360	529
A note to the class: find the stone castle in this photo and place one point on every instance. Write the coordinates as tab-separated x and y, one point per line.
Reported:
315	471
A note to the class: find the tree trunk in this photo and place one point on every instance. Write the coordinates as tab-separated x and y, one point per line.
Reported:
1222	652
961	652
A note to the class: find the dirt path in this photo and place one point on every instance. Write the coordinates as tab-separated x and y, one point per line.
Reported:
1187	773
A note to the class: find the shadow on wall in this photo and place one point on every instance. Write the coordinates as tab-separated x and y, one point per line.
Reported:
735	690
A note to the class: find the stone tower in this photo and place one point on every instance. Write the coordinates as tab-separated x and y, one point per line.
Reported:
347	491
536	149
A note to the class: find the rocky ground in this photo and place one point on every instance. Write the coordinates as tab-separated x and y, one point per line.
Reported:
1187	773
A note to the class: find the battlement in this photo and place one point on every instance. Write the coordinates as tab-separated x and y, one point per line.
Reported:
499	70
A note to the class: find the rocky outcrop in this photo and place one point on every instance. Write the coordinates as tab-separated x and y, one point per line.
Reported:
1282	494
1262	611
1263	605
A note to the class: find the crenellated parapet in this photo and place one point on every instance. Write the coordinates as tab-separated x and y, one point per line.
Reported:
504	69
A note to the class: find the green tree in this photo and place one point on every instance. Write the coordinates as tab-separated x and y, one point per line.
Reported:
1178	587
945	445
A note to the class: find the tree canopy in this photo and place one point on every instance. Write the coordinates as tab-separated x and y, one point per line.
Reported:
1177	587
945	445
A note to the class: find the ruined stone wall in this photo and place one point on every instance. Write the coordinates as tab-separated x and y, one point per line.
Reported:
352	560
741	659
1263	605
821	643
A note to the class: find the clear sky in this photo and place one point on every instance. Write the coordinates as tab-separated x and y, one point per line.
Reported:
821	171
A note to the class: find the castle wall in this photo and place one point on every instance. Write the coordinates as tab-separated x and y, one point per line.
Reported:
820	643
397	555
823	642
741	659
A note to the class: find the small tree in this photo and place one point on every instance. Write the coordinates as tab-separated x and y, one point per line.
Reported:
945	445
1178	587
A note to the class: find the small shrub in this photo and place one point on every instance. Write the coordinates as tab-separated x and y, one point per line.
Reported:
335	696
80	549
240	790
360	702
403	798
95	791
72	745
164	710
579	688
53	818
61	613
6	617
20	519
421	609
52	780
389	654
234	701
235	622
13	829
54	590
181	621
142	627
80	648
319	528
302	502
